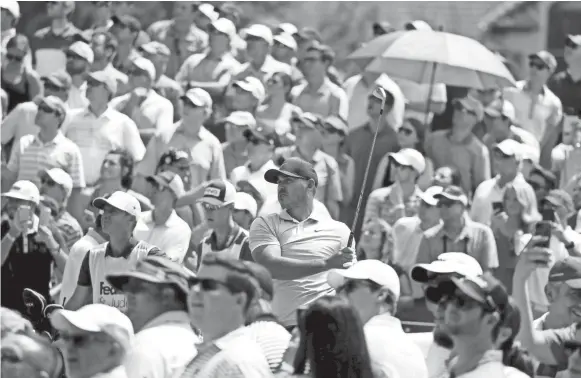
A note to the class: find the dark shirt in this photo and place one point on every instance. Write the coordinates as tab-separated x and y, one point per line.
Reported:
45	38
568	91
24	270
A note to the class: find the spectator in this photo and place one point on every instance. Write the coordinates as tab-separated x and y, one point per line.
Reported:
204	15
458	233
29	355
565	157
234	149
80	58
164	341
542	181
574	187
48	149
49	44
376	241
102	11
181	34
319	95
102	123
309	131
567	83
40	249
245	210
107	331
459	147
403	197
373	290
120	211
152	113
507	159
10	16
219	302
260	63
410	135
126	29
159	55
298	261
204	152
284	48
125	8
162	226
487	97
446	176
20	82
276	113
105	46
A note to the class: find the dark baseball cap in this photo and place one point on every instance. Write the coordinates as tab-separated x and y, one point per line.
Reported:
567	270
293	167
127	20
264	278
60	79
453	193
546	57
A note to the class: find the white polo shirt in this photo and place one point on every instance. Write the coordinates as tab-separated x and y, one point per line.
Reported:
173	237
317	237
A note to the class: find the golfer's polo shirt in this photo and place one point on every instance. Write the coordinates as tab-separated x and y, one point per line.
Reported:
329	99
317	237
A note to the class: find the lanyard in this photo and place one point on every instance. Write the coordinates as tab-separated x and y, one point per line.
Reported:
445	245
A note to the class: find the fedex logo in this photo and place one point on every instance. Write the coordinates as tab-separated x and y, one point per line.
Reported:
105	289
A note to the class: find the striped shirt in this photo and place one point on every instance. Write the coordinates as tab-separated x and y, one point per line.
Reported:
30	156
272	338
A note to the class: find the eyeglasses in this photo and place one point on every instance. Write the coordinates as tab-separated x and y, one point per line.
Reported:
462	301
207	284
47	181
405	131
78	341
15	58
537	65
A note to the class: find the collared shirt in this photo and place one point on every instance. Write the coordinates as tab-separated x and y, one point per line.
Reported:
30	156
475	239
77	97
205	152
243	173
406	359
172	237
268	68
317	237
388	204
155	112
181	46
76	256
235	355
534	114
470	157
435	355
235	247
162	347
202	68
96	136
48	48
487	193
566	89
328	99
70	229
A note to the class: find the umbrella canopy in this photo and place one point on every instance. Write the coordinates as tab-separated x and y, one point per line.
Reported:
413	55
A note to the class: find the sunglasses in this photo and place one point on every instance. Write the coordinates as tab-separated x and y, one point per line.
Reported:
47	181
352	285
15	58
572	346
209	207
405	131
207	284
462	301
538	65
461	108
255	141
135	72
569	43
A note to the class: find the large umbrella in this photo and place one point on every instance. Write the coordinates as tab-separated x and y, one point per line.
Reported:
429	57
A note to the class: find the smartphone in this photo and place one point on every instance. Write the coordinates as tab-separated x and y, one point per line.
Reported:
548	215
44	216
497	207
24	213
543	229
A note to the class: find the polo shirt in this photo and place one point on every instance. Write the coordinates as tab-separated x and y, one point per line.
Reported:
383	203
328	99
30	156
272	206
200	67
317	237
268	68
173	237
78	97
475	239
534	114
96	136
490	365
243	173
155	112
48	48
566	89
205	154
470	157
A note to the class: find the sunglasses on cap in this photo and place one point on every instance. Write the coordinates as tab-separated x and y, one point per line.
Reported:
209	207
460	107
538	65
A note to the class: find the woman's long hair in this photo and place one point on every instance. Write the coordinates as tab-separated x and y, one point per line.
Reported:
386	248
525	195
332	340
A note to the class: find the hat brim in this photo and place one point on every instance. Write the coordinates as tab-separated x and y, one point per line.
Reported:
71	320
449	197
52	81
400	159
214	201
118	281
337	277
272	175
244	85
469	289
194	101
100	203
17	196
426	272
504	151
574	283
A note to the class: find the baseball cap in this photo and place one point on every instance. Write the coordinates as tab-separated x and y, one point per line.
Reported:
558	197
574	39
292	167
224	26
55	104
24	190
82	50
453	193
447	263
254	86
410	158
105	79
170	180
263	277
154	269
308	34
417	25
12	7
428	196
287	28
155	48
471	104
567	270
95	318
209	11
62	178
373	270
530	153
306	119
244	201
287	40
198	97
546	57
127	20
262	135
145	65
242	119
337	123
484	289
260	31
501	108
219	193
119	200
60	79
509	147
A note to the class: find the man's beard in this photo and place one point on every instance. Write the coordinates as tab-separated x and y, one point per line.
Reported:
442	339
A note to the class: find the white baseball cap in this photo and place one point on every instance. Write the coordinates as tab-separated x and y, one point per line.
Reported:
447	263
119	200
209	11
411	158
429	195
12	7
24	190
286	40
225	26
254	86
260	31
144	65
96	317
62	178
244	201
83	50
242	119
505	108
288	28
510	147
373	270
170	180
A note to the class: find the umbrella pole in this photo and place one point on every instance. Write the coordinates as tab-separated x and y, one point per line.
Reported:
430	92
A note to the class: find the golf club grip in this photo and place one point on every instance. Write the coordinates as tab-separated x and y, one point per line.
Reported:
351	237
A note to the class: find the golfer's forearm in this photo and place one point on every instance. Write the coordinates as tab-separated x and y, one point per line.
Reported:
283	268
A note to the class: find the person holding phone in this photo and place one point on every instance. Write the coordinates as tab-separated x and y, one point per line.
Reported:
28	249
